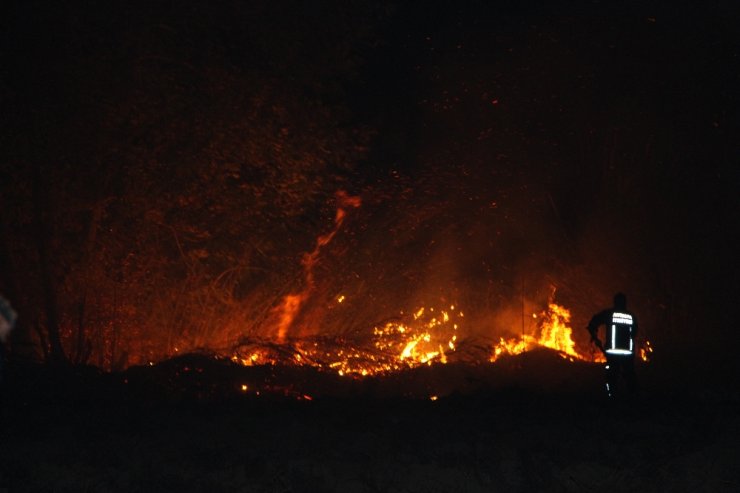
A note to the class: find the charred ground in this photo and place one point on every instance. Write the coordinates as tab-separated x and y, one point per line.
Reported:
534	422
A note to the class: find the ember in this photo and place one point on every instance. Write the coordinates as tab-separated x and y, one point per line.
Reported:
424	341
646	351
424	338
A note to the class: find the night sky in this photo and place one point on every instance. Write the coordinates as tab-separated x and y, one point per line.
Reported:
166	165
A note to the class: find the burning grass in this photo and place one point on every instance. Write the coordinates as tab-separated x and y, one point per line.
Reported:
554	333
426	336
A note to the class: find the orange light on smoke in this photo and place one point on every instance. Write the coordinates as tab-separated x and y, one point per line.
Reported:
287	311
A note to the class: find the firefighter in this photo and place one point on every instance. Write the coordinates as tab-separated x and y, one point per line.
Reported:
619	345
7	322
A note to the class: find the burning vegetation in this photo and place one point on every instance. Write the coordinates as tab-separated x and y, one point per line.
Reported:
245	213
425	337
554	333
290	330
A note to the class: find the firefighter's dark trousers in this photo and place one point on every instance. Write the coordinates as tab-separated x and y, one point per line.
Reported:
620	366
2	361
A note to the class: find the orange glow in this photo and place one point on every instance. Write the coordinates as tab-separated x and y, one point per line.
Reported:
554	333
513	346
427	337
287	311
646	351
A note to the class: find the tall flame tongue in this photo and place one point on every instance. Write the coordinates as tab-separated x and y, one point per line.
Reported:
555	333
288	309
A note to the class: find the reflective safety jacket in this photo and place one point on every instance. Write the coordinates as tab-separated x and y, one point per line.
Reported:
621	329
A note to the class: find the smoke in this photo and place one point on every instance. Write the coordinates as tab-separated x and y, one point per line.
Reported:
290	307
438	241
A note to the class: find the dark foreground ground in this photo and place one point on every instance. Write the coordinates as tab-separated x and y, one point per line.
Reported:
82	431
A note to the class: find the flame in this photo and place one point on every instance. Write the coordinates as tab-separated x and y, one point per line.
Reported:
287	311
254	359
421	341
427	337
646	351
555	333
513	346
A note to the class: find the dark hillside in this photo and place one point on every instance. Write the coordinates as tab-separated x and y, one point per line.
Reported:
513	429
